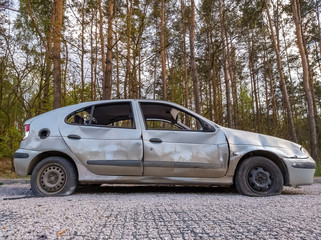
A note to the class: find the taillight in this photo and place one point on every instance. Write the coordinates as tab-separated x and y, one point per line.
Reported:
27	129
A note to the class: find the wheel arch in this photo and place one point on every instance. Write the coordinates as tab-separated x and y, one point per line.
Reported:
44	155
272	157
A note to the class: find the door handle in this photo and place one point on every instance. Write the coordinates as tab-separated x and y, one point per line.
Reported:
156	140
73	136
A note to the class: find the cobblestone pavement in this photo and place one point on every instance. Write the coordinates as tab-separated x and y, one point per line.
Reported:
149	212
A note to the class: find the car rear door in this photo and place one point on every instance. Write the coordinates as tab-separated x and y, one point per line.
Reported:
105	138
179	144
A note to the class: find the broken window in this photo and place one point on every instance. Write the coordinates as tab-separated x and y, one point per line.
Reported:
110	115
80	117
166	117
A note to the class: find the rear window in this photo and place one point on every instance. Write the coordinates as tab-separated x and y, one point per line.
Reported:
108	115
80	117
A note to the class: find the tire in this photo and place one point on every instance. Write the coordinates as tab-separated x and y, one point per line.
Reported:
54	176
258	177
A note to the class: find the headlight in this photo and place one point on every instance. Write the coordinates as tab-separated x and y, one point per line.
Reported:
304	151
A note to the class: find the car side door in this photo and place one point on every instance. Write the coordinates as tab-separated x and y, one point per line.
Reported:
179	144
105	138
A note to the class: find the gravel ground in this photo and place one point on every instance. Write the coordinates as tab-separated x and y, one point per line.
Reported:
149	212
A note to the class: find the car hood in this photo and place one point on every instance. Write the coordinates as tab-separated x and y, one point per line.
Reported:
249	141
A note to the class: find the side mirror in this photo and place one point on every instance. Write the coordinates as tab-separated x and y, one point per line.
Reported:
207	127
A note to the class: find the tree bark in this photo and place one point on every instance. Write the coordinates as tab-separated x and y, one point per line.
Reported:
108	80
64	84
186	83
57	23
292	91
128	80
196	89
306	79
233	81
286	100
92	59
82	56
163	48
102	42
225	66
117	69
254	89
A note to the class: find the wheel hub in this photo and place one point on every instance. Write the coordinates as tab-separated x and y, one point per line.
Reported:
52	179
259	179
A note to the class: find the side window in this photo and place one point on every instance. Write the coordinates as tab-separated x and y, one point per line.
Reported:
109	115
80	117
114	115
166	117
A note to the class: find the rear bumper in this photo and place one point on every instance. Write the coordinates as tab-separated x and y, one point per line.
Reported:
22	160
301	171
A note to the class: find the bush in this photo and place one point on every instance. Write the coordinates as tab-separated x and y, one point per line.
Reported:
318	170
9	142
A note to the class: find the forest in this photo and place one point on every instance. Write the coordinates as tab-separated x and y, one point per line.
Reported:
247	64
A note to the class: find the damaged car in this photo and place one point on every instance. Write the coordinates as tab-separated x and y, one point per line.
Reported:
153	142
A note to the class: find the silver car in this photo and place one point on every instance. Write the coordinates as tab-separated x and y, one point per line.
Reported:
153	142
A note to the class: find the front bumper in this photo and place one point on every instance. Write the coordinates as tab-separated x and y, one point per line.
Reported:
301	171
22	161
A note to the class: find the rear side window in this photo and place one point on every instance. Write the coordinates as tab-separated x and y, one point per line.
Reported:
114	115
80	117
117	115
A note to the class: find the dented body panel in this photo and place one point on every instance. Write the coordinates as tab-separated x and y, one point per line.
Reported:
97	146
288	153
185	154
138	147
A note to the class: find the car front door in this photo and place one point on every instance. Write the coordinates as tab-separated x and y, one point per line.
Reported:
105	138
178	144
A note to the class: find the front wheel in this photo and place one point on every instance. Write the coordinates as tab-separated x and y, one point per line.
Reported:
53	176
259	176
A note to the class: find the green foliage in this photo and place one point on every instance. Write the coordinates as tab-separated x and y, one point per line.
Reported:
318	170
9	142
245	109
26	82
251	13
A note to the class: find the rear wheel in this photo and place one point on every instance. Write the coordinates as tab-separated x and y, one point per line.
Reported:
53	176
259	176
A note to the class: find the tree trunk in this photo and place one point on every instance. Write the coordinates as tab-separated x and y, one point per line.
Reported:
186	84
96	56
102	42
196	89
317	2
163	52
128	80
139	74
46	87
117	69
292	91
92	59
64	84
225	66
82	56
57	23
254	89
108	81
233	81
306	80
286	100
272	94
